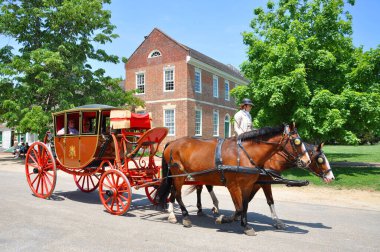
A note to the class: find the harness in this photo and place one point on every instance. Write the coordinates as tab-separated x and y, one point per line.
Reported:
221	168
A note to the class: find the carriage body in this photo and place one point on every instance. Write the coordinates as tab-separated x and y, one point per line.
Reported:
108	146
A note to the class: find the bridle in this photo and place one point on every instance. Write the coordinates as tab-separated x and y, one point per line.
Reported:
321	159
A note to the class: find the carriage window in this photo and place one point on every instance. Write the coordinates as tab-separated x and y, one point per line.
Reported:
60	124
106	123
72	124
89	122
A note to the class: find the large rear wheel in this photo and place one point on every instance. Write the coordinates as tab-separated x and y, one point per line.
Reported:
40	169
88	180
115	192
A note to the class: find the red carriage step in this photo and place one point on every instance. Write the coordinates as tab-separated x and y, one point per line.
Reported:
125	119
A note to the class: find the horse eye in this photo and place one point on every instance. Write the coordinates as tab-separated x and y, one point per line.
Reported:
320	160
297	141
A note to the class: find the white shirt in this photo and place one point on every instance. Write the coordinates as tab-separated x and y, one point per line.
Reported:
243	122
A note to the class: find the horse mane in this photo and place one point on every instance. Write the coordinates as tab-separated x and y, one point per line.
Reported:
262	132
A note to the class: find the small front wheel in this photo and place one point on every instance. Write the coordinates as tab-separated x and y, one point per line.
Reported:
115	192
40	169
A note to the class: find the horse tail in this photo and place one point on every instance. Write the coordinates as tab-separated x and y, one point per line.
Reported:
163	190
190	190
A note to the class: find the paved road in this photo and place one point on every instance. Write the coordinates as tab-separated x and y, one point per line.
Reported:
75	221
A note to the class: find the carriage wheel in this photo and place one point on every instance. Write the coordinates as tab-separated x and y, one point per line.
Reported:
115	192
41	172
150	192
89	182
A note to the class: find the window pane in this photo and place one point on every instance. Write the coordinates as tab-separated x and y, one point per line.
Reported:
215	86
169	121
215	123
140	82
169	79
198	122
197	81
227	91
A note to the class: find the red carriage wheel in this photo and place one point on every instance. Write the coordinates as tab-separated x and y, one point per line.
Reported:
88	181
150	192
115	192
41	172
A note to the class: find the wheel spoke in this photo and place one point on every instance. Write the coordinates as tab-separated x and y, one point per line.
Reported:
32	183
121	202
109	182
122	196
48	180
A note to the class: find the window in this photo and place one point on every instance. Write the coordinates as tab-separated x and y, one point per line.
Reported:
169	121
140	82
154	53
215	89
89	122
198	81
215	123
169	79
198	122
227	90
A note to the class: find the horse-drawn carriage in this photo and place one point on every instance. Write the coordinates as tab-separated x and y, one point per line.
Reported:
102	147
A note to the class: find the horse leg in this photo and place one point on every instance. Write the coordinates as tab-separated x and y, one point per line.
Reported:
248	230
172	218
237	199
185	214
277	223
199	201
215	209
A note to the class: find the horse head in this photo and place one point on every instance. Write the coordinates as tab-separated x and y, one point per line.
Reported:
320	166
294	148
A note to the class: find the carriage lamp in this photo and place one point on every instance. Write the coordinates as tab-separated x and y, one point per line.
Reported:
297	141
320	160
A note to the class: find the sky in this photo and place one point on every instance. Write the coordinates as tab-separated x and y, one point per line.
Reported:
211	27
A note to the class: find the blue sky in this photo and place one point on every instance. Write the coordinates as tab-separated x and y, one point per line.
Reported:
211	27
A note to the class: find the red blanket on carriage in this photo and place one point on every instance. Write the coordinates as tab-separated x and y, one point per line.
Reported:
125	119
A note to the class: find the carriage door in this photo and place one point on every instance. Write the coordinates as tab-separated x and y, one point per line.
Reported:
71	143
88	137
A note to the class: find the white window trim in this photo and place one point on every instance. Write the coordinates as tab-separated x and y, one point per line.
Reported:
200	130
151	53
173	119
215	111
137	73
164	81
198	70
215	77
225	91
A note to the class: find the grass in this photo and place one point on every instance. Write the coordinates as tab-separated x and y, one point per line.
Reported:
361	153
363	178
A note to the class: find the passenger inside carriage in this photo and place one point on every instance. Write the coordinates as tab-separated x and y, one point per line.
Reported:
70	129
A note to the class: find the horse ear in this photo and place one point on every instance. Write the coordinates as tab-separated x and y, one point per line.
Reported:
320	146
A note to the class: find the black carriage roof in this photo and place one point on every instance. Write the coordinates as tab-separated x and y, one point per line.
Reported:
87	107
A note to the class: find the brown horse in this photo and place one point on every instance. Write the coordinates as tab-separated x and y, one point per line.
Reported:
241	160
319	166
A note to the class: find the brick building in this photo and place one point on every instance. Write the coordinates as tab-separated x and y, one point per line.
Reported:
185	90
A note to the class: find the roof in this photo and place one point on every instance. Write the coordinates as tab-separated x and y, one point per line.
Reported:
203	58
87	107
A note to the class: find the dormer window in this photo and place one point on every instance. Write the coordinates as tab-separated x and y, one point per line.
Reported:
155	53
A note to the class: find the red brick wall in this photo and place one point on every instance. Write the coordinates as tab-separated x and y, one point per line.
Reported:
156	98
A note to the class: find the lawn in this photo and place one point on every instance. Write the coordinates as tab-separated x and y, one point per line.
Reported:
350	177
361	153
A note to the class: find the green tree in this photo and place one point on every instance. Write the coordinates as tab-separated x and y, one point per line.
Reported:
51	70
303	67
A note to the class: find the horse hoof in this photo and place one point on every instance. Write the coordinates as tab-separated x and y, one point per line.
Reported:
215	211
250	232
172	219
200	214
186	222
219	219
279	225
